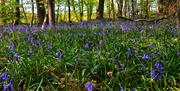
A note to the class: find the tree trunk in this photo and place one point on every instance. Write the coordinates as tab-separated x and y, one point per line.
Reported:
81	10
40	11
141	7
17	13
32	19
100	9
112	8
120	6
51	15
69	10
133	8
147	8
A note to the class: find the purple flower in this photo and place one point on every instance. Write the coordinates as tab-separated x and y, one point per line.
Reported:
7	86
59	55
157	71
11	84
159	67
122	89
153	74
158	77
89	86
148	56
12	46
86	46
16	56
101	42
4	76
128	52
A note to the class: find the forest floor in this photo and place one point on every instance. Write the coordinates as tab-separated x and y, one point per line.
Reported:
97	55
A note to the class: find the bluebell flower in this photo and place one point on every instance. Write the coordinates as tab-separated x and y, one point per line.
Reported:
11	84
173	31
148	56
122	89
86	46
129	52
12	46
157	71
59	55
153	74
101	42
89	86
16	56
159	67
7	86
4	76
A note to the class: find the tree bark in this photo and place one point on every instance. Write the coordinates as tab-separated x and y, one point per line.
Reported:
133	8
69	10
32	18
40	11
120	6
17	13
147	8
100	9
51	15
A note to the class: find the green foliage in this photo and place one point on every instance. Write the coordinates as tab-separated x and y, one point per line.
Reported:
107	65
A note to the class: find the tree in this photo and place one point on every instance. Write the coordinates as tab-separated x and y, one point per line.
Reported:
120	6
69	10
40	11
17	13
51	14
133	8
100	9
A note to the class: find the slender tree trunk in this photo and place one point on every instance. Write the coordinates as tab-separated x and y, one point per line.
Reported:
120	6
40	11
100	10
17	13
32	19
81	10
112	8
133	8
51	13
141	7
91	10
69	10
147	8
